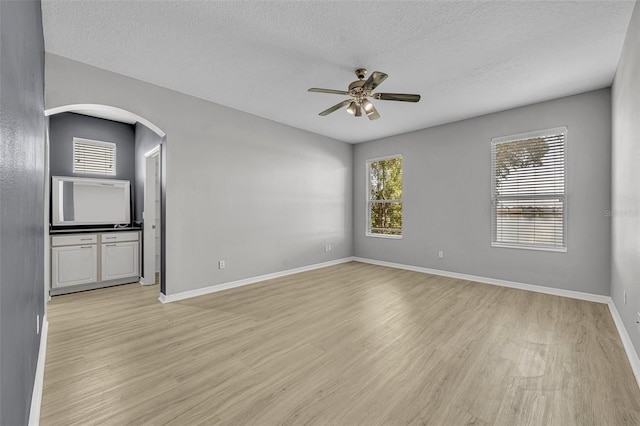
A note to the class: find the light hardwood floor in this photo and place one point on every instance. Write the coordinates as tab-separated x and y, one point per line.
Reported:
345	345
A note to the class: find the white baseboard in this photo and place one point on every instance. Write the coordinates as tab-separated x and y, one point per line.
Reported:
142	281
632	355
624	336
626	341
502	283
38	383
233	284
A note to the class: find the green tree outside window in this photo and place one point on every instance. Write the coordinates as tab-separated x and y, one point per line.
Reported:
385	196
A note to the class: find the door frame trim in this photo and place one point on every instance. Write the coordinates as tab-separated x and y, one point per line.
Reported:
154	152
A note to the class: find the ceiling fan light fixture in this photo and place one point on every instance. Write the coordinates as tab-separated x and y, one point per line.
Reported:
367	106
359	91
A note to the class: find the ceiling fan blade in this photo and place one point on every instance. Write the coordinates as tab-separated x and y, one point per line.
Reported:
373	114
335	107
402	97
333	92
374	80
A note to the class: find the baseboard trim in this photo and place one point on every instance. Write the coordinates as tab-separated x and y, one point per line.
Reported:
38	382
493	281
142	282
91	286
632	355
247	281
485	280
626	341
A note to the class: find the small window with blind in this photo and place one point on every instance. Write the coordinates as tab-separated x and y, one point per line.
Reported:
384	197
528	190
94	157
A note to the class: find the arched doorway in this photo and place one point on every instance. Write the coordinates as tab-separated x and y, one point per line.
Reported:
153	138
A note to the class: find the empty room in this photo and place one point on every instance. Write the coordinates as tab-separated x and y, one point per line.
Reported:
319	212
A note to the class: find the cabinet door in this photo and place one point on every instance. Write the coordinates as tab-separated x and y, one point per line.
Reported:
120	260
74	265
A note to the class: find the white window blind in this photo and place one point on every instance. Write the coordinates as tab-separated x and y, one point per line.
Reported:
384	197
95	157
528	190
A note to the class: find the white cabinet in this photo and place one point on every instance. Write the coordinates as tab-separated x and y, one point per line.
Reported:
74	265
86	261
120	260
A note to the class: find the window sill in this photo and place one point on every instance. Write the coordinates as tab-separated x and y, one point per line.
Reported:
552	249
390	237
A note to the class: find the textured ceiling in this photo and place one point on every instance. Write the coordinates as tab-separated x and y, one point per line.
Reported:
466	58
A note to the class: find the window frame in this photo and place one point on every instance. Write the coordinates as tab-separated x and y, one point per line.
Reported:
368	201
94	142
493	202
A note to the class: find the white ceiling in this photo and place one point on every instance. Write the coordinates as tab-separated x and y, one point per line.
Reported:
466	58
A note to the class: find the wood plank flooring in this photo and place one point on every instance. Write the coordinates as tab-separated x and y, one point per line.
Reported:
352	344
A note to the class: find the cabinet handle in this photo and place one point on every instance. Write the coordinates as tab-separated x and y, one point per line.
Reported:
86	239
110	238
85	247
110	245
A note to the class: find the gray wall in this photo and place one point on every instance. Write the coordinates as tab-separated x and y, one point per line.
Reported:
145	141
64	127
21	204
447	196
625	248
263	196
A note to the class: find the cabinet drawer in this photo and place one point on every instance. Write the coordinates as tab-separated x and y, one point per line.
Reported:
116	237
75	239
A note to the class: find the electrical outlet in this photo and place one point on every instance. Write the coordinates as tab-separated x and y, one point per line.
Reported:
38	324
327	248
221	264
441	254
625	297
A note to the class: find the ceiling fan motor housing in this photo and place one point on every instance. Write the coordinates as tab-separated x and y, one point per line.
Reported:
356	89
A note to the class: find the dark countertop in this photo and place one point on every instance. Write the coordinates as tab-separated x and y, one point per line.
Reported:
93	230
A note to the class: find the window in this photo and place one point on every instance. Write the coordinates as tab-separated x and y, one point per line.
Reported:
384	197
94	157
528	190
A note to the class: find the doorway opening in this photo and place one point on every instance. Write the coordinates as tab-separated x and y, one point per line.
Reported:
152	220
148	139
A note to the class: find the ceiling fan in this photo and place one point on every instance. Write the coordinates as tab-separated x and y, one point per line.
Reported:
360	90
